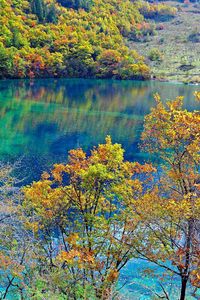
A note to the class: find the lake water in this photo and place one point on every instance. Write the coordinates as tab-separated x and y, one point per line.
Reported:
41	120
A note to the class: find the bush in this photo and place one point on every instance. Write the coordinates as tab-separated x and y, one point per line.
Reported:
155	55
143	32
157	11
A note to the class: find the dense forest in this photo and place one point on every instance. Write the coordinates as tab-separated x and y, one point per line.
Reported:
75	38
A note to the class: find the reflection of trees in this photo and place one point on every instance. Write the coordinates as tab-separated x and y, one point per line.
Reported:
88	94
91	94
51	116
28	122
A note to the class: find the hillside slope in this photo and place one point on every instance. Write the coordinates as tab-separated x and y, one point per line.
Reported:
64	38
174	52
121	39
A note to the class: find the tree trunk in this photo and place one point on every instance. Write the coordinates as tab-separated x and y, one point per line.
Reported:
185	274
183	288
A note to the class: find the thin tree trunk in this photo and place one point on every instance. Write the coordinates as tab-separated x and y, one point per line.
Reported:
183	288
8	286
185	274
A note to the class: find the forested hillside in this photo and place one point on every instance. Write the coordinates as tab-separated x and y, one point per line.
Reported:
74	38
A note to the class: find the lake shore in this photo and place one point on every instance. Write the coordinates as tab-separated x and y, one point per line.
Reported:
152	78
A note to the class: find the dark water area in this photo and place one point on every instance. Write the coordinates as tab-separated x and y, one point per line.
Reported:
41	120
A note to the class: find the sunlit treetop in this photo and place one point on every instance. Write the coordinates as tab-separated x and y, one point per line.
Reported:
170	129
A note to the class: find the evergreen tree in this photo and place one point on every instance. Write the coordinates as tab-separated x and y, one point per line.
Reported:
76	4
38	8
44	12
51	16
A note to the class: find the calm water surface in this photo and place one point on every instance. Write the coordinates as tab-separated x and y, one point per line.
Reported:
40	121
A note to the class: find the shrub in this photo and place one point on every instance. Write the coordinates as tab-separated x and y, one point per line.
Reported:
142	32
157	11
155	55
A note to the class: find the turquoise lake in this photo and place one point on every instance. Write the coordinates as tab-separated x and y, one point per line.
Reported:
41	120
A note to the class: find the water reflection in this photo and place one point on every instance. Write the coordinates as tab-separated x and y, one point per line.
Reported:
43	119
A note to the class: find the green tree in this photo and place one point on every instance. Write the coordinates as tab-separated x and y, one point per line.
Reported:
51	15
155	55
39	8
18	41
76	4
5	61
79	61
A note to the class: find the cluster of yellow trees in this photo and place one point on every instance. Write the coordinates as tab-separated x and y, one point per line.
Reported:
68	235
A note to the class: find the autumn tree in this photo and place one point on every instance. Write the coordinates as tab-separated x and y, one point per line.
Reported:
197	96
79	214
170	211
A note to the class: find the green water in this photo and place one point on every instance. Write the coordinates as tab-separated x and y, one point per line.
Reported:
43	119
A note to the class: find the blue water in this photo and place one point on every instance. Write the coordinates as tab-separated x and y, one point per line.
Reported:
41	120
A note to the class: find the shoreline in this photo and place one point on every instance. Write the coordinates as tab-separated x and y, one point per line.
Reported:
175	81
152	78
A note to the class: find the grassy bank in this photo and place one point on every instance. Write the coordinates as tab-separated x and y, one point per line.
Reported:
178	43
